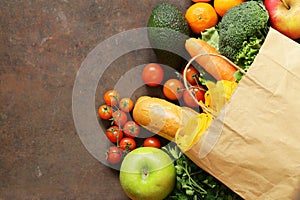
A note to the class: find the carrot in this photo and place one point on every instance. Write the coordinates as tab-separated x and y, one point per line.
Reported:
218	67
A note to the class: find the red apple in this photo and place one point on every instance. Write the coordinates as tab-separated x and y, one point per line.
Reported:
285	16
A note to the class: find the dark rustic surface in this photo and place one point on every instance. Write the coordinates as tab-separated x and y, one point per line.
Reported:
42	45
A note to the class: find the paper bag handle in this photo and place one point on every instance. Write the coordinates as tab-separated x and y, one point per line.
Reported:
186	83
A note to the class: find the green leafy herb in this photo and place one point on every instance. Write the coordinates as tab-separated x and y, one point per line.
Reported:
193	183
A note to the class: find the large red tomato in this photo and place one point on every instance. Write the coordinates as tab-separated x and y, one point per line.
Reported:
173	89
152	74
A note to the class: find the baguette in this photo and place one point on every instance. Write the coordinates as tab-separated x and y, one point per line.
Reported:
160	116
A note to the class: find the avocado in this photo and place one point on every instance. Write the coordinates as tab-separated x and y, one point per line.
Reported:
167	33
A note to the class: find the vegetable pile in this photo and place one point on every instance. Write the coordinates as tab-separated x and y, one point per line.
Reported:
243	30
222	43
194	183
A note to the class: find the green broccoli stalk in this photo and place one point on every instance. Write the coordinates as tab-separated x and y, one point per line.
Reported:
242	31
246	56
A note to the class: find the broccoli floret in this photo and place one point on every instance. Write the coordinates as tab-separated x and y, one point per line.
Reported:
242	31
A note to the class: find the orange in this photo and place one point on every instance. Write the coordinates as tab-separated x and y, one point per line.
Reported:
201	16
222	6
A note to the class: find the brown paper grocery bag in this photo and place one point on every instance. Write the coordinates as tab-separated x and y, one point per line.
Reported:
253	146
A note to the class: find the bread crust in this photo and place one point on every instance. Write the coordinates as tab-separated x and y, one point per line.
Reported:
161	116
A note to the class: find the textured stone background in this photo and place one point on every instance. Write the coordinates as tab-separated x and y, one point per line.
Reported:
42	45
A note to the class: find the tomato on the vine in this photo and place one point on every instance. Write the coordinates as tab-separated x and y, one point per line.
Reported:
111	97
152	142
105	112
131	129
126	104
192	75
152	74
115	149
197	92
114	134
114	155
127	144
119	117
173	89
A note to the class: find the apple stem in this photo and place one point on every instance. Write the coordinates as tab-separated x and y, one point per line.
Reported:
144	173
285	4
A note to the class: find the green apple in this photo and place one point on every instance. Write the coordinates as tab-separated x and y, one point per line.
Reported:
147	173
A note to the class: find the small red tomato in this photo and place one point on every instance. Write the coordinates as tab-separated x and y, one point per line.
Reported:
105	112
173	89
114	157
197	92
131	129
115	149
192	75
119	117
114	134
127	144
152	142
111	97
152	74
126	104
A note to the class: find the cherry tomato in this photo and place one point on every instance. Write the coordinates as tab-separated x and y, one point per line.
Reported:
127	144
119	117
152	74
152	142
131	129
192	75
111	97
114	155
115	149
126	104
198	93
173	89
105	112
114	134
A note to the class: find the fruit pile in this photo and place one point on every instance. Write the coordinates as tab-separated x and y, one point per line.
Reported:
231	32
284	15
